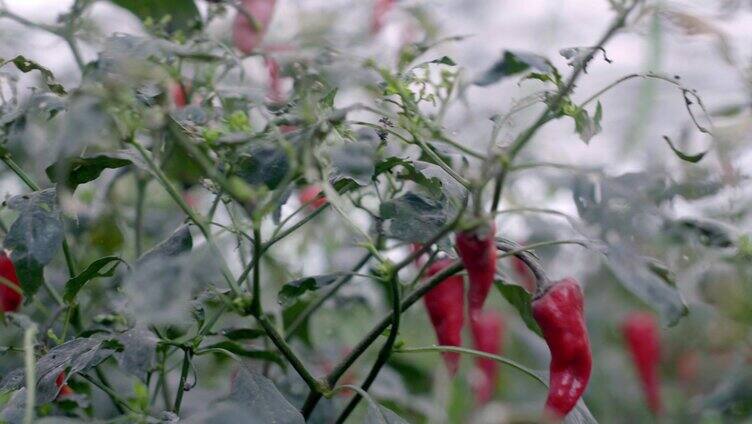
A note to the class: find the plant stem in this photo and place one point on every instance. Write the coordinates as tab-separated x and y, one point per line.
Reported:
547	114
110	392
30	365
183	378
139	222
316	386
256	307
385	351
103	378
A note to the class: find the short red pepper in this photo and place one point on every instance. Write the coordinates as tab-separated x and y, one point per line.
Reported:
10	298
558	310
247	35
65	390
477	250
488	333
313	196
445	304
641	334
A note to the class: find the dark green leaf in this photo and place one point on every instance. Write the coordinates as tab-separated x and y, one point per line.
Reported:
709	233
413	217
511	63
296	288
34	237
84	169
94	270
264	164
184	14
683	156
25	65
522	301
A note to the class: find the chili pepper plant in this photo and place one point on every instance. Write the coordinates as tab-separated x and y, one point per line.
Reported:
275	211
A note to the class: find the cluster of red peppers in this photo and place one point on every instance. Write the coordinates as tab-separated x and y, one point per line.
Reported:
557	308
641	334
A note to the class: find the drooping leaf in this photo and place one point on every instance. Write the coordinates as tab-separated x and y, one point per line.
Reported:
34	237
684	156
138	355
96	269
183	14
75	355
253	399
634	273
180	241
522	301
298	287
25	65
511	63
353	161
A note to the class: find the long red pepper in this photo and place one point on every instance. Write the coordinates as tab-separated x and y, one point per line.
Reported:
10	299
488	333
445	304
558	310
641	334
245	34
478	253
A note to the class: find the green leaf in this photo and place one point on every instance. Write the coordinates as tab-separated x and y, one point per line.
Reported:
266	164
34	237
25	65
96	269
584	125
84	169
683	156
511	63
184	14
298	287
522	301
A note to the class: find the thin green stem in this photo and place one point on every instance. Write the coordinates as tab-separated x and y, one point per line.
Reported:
385	351
256	307
106	382
30	366
138	225
108	391
183	378
476	353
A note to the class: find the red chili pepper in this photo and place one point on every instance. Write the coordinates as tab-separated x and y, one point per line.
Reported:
488	333
313	196
527	279
445	304
378	16
559	313
641	334
245	34
65	390
478	253
275	80
178	94
10	299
